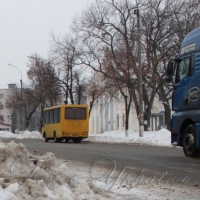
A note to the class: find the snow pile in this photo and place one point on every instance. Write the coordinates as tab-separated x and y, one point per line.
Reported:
153	138
26	176
21	134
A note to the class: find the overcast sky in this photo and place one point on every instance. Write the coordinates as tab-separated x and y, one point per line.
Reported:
25	27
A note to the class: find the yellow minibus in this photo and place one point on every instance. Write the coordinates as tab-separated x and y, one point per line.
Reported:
66	122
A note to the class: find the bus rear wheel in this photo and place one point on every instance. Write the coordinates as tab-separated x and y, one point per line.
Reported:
189	141
77	140
56	139
67	140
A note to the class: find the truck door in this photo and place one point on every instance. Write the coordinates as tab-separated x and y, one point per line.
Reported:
183	83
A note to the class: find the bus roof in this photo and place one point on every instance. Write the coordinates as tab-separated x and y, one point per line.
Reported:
191	42
66	105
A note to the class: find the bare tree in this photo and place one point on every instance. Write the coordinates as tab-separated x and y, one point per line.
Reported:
26	102
45	86
106	30
14	121
95	87
108	34
164	26
64	56
155	35
79	88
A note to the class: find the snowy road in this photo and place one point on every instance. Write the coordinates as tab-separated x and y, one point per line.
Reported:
105	166
153	160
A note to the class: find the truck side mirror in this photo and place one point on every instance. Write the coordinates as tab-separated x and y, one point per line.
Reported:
170	72
170	68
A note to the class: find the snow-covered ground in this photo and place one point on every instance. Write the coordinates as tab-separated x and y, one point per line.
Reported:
152	138
44	177
21	134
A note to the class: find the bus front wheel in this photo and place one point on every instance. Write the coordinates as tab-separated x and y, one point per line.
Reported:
45	138
189	141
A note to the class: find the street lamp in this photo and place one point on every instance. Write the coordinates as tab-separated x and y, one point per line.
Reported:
21	76
21	94
141	113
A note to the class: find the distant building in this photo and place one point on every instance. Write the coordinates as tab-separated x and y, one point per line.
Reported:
5	114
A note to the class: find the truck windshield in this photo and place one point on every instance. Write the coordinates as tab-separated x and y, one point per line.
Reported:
184	68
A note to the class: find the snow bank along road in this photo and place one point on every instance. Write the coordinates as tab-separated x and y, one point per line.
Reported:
169	162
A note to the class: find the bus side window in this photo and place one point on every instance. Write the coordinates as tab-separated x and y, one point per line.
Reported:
55	113
46	117
58	115
51	116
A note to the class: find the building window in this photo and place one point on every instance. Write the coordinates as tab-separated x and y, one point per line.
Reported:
1	107
93	122
123	120
1	118
117	121
97	122
1	96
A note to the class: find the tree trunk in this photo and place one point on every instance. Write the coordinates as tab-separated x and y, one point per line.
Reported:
91	106
127	111
147	116
29	117
166	107
42	116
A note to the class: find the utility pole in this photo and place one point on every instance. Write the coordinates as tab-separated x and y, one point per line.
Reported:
20	126
140	81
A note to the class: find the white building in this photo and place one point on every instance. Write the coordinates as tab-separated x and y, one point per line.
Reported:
109	115
5	115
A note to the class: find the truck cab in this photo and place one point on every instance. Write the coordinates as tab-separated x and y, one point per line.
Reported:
185	127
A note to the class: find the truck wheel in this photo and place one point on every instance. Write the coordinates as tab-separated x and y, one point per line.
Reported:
189	141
